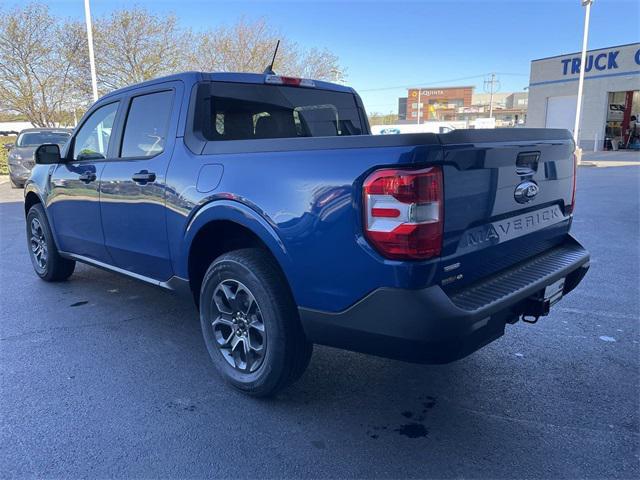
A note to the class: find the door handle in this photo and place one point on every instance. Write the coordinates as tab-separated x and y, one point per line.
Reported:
87	177
143	177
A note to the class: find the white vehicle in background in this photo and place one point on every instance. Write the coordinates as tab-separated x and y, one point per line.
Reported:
426	127
484	123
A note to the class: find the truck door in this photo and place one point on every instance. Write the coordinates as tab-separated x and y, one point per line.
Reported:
73	200
132	186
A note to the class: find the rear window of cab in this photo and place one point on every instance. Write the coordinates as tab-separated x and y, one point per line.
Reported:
241	111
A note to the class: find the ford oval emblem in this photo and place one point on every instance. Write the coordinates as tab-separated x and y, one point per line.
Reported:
526	191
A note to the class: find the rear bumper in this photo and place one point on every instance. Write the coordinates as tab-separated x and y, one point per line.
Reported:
428	326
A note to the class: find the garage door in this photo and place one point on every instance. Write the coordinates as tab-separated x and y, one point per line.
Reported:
561	112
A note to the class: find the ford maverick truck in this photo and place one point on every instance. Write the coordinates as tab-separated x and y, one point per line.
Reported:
268	201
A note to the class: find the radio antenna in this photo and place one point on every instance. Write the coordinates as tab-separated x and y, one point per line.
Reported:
269	69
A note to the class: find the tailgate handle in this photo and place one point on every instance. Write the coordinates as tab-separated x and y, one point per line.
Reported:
527	163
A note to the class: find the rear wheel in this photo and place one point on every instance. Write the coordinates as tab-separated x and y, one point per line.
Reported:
47	262
250	323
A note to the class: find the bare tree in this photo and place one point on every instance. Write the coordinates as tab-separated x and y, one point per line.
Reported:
320	64
248	46
136	45
44	68
34	68
376	118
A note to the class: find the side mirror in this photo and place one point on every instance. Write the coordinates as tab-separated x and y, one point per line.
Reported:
48	154
8	146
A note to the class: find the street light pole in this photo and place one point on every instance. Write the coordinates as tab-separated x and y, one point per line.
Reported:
92	62
419	103
583	58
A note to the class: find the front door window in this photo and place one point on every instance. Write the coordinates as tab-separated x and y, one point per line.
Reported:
92	140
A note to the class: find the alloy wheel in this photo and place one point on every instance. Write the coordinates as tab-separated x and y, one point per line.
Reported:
38	242
238	326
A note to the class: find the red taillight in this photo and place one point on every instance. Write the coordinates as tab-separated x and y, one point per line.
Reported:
404	212
571	208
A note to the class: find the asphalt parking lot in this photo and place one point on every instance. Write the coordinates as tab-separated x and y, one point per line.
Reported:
102	376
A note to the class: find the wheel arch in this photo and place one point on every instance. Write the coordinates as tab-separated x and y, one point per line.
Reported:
224	226
30	199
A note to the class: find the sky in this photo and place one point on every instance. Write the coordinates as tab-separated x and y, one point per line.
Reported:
387	46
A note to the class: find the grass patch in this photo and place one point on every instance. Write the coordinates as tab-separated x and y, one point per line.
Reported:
4	168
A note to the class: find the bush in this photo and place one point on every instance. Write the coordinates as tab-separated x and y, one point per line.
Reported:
4	168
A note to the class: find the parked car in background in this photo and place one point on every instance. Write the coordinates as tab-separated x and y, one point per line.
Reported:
424	127
21	153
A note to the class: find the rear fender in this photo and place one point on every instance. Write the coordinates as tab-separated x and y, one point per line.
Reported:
241	214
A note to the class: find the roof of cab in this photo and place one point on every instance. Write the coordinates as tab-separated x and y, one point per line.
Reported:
190	78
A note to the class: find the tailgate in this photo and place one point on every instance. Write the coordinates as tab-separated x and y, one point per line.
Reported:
508	196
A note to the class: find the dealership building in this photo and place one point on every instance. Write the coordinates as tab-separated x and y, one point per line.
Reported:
611	94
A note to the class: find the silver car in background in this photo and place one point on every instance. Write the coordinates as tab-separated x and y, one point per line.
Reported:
21	155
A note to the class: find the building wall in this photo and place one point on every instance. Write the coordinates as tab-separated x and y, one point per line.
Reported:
14	126
499	99
518	100
442	95
607	70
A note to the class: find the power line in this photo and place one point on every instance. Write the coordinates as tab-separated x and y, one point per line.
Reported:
425	83
459	79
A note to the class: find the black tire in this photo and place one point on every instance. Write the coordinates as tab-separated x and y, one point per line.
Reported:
261	291
54	268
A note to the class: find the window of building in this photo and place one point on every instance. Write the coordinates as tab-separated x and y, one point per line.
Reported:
145	132
618	128
455	102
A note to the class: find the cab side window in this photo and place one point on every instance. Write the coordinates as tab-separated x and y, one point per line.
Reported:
145	132
92	140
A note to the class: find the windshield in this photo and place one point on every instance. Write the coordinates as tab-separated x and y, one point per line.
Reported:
239	111
33	139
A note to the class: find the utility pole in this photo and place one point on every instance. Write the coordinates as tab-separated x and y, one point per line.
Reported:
491	86
419	103
92	62
583	57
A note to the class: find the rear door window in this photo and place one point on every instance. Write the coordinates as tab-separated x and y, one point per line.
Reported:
237	111
145	131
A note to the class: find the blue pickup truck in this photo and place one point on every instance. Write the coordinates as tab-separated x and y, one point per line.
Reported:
267	199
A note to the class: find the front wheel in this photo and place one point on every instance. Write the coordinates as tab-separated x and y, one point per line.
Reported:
47	262
250	323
